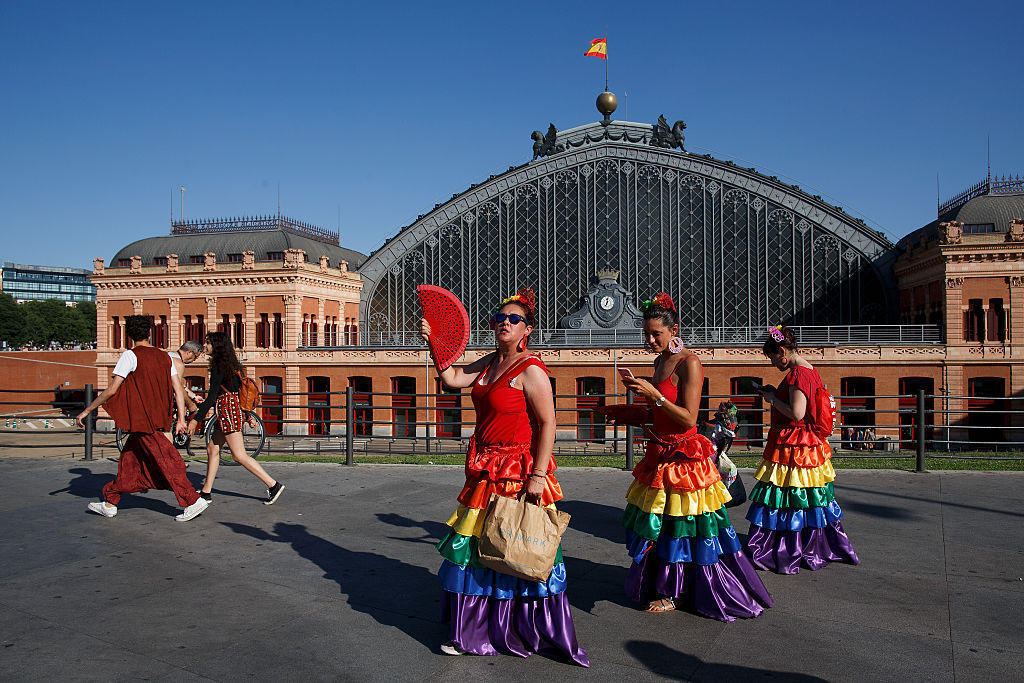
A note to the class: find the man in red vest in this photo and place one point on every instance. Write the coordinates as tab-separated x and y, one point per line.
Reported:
139	399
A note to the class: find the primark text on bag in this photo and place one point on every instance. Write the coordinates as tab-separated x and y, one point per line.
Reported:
521	539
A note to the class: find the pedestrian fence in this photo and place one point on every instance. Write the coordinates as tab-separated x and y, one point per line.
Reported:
379	423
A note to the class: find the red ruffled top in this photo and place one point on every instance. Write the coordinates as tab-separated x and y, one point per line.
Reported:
794	443
500	454
676	457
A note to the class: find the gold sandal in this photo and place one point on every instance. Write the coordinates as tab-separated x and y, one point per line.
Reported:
662	605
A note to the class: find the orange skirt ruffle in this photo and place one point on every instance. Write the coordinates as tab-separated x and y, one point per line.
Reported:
678	462
502	470
796	446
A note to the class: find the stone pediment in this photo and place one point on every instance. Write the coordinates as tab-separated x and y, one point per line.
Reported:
607	305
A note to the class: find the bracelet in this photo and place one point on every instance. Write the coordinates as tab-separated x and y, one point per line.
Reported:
542	476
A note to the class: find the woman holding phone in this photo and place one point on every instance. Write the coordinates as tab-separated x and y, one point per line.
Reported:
794	517
685	551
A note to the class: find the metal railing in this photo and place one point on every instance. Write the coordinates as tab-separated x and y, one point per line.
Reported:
807	335
954	427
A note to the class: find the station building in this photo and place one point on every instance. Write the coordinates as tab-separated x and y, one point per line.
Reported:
604	216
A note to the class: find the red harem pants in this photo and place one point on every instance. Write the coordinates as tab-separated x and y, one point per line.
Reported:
149	461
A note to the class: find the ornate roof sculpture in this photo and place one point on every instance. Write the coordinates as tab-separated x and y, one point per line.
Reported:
734	247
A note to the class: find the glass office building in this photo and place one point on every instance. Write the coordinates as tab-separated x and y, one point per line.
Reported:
25	283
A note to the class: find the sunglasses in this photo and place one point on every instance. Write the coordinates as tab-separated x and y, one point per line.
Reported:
499	318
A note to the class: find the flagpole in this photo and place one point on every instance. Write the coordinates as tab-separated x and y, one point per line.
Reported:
606	61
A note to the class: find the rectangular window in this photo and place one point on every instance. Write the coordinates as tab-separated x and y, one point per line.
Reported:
448	417
159	260
124	262
590	423
275	256
196	259
403	403
362	399
996	320
239	338
234	258
974	321
318	402
263	332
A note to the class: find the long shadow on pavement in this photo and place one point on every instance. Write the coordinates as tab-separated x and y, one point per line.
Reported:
948	503
665	661
89	485
433	531
596	519
360	576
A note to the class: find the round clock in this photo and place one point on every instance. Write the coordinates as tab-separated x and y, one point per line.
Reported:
606	303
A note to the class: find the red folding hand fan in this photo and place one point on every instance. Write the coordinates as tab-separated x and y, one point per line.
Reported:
449	324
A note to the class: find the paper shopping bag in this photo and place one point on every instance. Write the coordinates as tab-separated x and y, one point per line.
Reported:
521	539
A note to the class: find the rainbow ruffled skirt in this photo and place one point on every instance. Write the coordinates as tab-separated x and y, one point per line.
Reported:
794	517
489	612
680	538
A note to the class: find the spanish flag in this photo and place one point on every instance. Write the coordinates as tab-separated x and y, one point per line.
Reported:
598	48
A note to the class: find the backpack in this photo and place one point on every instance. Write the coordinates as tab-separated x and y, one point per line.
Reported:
248	392
825	420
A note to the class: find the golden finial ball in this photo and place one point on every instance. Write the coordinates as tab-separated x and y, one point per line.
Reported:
607	103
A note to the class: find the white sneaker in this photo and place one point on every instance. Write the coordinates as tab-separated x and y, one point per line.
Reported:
452	649
193	510
102	508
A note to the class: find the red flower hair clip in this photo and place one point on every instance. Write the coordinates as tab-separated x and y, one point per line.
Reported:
524	296
661	300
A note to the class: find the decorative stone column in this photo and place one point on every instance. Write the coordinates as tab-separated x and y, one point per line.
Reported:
211	314
250	322
321	333
957	421
174	322
292	321
954	311
1015	321
102	324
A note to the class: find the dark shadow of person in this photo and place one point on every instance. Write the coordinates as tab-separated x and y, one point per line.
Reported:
593	582
390	591
89	485
85	484
596	519
664	661
433	532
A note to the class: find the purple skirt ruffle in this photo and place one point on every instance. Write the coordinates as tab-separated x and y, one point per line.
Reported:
784	552
483	625
728	589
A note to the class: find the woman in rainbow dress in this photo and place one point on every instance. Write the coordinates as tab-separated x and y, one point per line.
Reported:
685	551
794	516
509	454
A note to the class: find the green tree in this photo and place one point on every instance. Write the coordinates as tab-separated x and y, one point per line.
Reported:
87	312
12	321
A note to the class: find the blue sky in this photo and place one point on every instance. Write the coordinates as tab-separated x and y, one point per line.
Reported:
388	108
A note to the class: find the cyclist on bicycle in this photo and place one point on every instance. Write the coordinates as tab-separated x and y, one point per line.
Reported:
225	381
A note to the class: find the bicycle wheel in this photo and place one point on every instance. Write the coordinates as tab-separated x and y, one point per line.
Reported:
254	437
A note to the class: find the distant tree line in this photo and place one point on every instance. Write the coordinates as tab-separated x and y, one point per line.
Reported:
42	322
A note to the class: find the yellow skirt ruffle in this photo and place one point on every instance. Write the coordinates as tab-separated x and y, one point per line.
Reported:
677	503
795	477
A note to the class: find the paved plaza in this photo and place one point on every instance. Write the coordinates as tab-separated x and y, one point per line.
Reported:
337	582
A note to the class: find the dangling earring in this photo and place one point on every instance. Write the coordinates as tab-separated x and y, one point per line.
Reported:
675	344
521	346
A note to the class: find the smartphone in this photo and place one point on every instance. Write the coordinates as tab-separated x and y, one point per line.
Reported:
626	373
